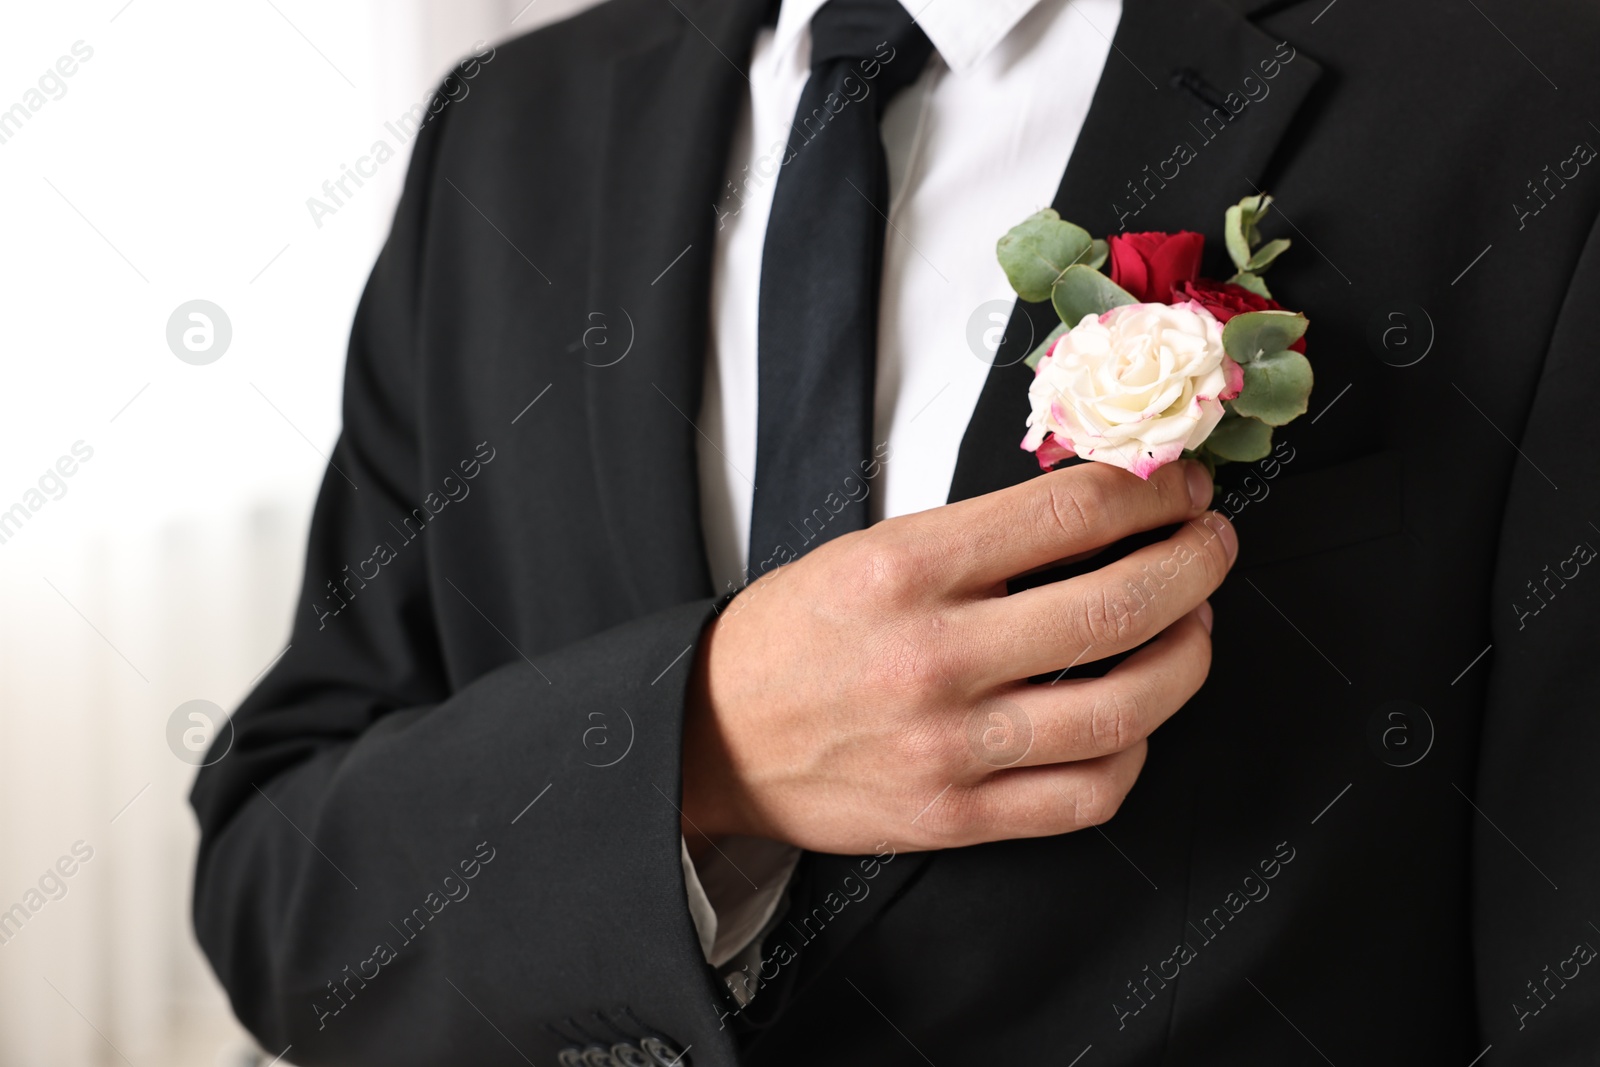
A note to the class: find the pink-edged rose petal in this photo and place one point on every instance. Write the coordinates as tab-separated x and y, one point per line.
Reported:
1148	461
1235	384
1052	451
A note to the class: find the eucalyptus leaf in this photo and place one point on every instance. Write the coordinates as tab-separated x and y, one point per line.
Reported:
1233	236
1240	439
1266	254
1043	348
1099	252
1239	227
1276	388
1082	290
1253	334
1253	282
1034	253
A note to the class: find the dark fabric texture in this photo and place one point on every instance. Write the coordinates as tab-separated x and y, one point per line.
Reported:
1370	839
821	265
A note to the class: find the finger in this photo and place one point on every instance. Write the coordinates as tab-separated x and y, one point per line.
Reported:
1085	718
1076	557
1120	606
1054	799
987	539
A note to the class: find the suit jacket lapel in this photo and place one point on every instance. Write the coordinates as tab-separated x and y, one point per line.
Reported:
1181	75
672	102
1167	57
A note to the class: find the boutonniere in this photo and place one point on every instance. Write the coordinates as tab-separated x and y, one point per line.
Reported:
1155	362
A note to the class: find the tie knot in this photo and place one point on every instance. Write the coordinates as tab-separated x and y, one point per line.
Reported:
879	34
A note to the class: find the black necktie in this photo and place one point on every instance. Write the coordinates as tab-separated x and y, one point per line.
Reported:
817	330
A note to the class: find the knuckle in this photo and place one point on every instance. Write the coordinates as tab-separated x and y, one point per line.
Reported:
1116	719
1099	801
946	815
887	569
920	746
1108	616
965	815
1074	505
915	665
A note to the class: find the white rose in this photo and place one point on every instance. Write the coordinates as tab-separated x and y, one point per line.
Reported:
1133	387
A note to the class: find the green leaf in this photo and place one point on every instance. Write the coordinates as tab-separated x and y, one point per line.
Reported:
1266	254
1276	388
1043	348
1036	252
1239	227
1240	439
1250	336
1233	236
1099	252
1253	282
1082	290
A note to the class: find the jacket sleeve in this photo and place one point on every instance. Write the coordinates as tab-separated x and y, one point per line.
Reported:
1537	828
397	868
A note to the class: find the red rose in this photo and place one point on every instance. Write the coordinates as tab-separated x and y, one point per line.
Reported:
1225	300
1152	265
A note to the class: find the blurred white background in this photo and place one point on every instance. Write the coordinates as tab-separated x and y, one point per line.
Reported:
173	164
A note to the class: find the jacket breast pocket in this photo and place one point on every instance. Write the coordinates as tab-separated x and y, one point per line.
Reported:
1295	514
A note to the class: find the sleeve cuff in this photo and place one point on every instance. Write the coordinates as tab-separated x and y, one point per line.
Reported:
734	892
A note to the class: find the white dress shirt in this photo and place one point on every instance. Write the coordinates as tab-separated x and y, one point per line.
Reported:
977	144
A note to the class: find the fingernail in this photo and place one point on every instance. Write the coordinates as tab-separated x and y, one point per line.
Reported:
1207	616
1200	487
1230	540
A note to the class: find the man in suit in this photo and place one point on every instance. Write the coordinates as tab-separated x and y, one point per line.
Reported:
530	786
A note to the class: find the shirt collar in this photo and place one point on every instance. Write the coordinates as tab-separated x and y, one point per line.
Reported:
963	31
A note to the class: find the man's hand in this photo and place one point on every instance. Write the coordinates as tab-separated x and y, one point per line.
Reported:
876	689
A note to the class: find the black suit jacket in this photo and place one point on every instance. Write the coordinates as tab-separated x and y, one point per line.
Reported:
446	832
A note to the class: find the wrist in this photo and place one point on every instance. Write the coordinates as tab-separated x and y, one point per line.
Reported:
705	809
